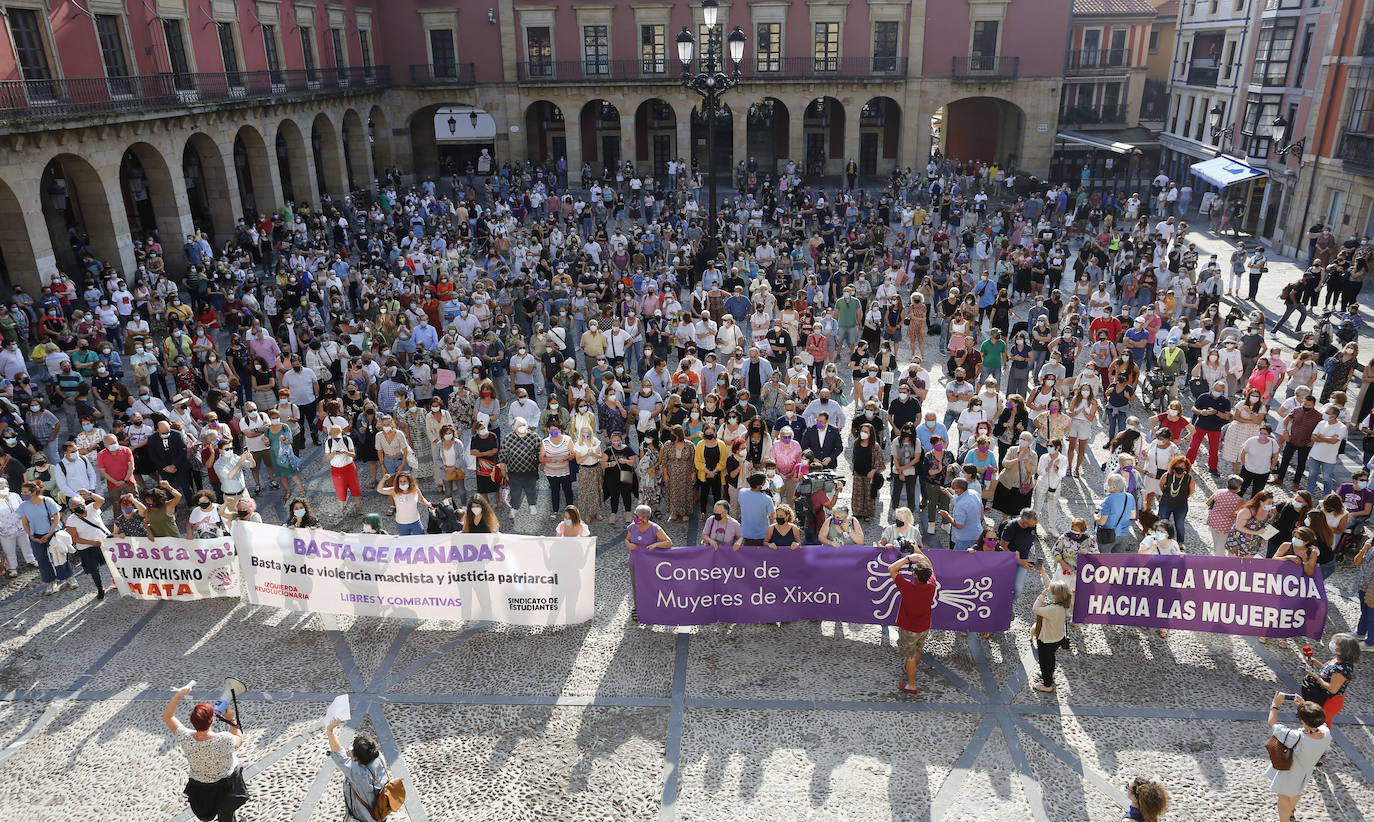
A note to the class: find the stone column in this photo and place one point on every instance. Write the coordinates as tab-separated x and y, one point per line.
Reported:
739	115
572	132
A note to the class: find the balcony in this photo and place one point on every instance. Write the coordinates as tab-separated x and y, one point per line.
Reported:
443	74
564	72
1205	76
1094	115
1096	61
29	101
1357	153
978	67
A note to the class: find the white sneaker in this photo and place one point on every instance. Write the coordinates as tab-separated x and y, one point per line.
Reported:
50	589
70	582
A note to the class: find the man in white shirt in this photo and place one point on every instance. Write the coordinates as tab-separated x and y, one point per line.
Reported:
304	387
523	370
523	408
1325	454
146	403
709	372
75	473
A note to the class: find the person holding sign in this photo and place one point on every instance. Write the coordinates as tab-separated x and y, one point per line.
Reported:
913	614
362	769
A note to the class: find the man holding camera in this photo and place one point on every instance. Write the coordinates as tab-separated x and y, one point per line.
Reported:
913	610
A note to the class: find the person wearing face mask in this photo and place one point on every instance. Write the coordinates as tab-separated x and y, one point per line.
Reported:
204	521
782	532
12	539
407	498
299	514
721	530
589	454
343	470
479	517
571	525
1325	453
1301	549
1327	684
41	517
1211	412
75	473
1253	519
786	454
87	530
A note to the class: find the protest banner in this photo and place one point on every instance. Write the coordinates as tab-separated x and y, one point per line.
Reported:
169	568
508	578
700	585
1221	595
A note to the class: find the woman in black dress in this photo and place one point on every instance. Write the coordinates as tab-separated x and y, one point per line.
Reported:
783	532
365	442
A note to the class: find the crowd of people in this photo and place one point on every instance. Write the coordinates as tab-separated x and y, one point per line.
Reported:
978	347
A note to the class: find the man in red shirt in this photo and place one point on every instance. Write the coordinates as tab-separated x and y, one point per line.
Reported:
1109	325
913	611
116	465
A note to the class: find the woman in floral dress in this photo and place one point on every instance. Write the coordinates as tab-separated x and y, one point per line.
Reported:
677	467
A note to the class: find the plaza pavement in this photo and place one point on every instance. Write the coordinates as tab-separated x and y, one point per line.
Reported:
612	721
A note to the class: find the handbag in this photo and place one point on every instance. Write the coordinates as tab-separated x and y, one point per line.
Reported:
1280	755
1107	535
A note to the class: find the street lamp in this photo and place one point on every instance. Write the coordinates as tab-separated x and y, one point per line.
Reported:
1278	132
1220	134
711	83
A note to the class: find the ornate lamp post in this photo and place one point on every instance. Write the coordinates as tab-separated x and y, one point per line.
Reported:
711	83
1278	132
1222	134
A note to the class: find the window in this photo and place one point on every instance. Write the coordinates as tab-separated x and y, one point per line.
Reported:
885	45
826	56
443	58
365	50
1273	47
768	55
27	35
1117	55
177	61
1230	61
1361	84
708	40
336	43
1188	119
112	53
1260	111
984	50
1154	42
596	50
653	48
269	45
1173	122
1111	102
229	54
308	53
1305	54
539	51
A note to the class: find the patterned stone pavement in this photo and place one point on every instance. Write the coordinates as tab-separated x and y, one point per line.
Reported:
612	721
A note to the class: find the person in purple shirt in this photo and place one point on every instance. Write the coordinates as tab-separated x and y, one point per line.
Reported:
722	530
1358	498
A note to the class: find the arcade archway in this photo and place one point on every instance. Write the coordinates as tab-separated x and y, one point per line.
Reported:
987	129
767	128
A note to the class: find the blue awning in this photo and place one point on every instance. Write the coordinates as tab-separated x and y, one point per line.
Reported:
1223	171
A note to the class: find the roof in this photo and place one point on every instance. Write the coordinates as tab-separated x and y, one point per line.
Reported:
1113	8
1168	9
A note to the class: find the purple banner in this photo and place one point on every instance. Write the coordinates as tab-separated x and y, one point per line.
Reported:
1222	595
700	585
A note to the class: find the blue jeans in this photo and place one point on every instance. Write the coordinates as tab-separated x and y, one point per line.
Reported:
1116	420
1022	574
1179	516
964	544
46	571
1365	627
1326	471
393	464
409	529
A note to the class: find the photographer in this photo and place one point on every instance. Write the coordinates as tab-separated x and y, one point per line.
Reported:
913	614
1308	742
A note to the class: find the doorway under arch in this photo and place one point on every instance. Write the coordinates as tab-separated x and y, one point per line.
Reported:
655	137
207	185
76	208
987	129
767	133
600	125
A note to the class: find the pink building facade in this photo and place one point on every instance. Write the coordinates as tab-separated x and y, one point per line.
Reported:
132	117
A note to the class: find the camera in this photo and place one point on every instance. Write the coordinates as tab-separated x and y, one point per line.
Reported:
906	546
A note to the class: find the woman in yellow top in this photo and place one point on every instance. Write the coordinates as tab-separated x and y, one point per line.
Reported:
711	455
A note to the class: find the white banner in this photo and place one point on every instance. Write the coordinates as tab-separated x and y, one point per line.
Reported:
173	568
508	578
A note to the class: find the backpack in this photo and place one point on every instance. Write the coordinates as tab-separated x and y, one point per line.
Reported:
390	797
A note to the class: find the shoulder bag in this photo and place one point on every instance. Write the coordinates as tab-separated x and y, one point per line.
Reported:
1106	535
1280	754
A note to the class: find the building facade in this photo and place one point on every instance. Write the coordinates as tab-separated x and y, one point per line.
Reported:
1331	110
1206	81
128	118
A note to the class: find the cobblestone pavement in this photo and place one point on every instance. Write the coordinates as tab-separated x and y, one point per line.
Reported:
611	721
